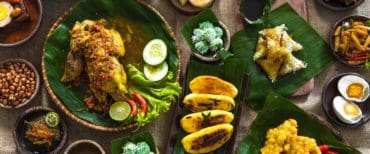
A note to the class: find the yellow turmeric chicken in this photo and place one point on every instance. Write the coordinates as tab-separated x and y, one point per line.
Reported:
285	139
96	50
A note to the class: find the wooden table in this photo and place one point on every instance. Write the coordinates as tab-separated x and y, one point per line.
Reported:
228	12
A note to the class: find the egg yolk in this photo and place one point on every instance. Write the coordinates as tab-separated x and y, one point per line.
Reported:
351	109
355	90
3	12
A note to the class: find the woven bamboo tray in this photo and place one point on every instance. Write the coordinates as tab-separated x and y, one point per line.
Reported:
61	105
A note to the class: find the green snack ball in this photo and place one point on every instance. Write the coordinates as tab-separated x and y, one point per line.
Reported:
201	47
205	25
219	32
216	44
198	32
143	148
196	38
197	35
209	34
129	148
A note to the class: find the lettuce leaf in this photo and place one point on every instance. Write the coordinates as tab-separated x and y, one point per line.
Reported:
159	95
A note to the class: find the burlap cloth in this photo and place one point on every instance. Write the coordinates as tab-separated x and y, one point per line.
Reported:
227	10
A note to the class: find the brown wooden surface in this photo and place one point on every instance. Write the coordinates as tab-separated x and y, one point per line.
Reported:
228	12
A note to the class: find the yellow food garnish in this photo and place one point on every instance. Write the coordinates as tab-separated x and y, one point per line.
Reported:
285	139
355	90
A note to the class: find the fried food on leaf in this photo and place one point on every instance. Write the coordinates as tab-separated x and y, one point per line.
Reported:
285	139
97	48
274	52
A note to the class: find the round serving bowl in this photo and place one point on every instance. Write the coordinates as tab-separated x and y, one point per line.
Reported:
330	91
331	36
28	115
337	6
35	29
214	57
60	102
37	79
188	8
84	146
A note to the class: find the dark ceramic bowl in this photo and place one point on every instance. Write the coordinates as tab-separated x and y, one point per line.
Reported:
22	144
214	57
40	9
330	91
331	36
84	146
338	6
37	79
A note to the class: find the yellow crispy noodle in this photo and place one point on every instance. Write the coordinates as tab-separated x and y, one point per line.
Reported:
285	139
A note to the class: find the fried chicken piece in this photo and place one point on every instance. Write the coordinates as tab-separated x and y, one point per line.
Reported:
98	49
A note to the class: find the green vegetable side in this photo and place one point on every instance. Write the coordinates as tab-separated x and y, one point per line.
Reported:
159	94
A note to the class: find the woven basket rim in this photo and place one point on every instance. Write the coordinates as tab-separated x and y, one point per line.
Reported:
61	105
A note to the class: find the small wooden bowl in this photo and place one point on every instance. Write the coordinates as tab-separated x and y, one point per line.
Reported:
36	28
214	57
37	79
330	91
31	114
188	8
338	6
85	144
331	37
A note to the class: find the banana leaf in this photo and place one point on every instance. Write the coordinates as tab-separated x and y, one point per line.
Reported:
277	109
316	53
195	68
57	46
117	144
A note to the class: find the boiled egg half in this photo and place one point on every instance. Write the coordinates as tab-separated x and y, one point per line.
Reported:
346	111
5	11
353	88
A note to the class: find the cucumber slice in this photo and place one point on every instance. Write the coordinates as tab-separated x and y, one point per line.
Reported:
156	73
155	52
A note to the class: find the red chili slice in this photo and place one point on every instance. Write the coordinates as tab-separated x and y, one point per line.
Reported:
331	152
141	100
324	148
133	107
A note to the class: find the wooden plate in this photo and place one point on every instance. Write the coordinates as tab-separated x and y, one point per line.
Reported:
330	91
176	129
188	8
